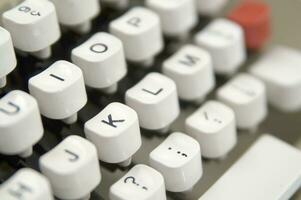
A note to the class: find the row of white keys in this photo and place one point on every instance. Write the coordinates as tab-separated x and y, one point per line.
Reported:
20	124
8	60
77	14
72	168
26	184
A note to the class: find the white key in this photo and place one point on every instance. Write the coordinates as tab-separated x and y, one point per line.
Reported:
102	60
270	169
155	100
179	160
246	95
177	17
8	61
26	184
225	41
115	132
60	91
119	4
140	183
213	126
191	69
72	168
34	27
280	70
139	30
20	124
210	7
77	14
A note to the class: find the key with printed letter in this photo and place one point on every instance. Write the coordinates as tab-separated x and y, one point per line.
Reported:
140	183
8	60
155	100
72	168
116	134
179	160
20	124
140	31
177	17
26	184
214	127
77	14
191	69
269	170
34	27
102	60
224	40
60	91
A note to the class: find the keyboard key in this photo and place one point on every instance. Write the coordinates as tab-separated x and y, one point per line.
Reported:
102	60
140	183
140	31
210	7
77	14
177	17
8	61
280	70
34	27
246	95
115	132
191	69
72	168
20	124
155	100
255	18
60	91
178	158
270	169
26	184
225	41
214	127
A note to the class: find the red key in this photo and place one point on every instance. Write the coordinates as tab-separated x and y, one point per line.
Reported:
255	19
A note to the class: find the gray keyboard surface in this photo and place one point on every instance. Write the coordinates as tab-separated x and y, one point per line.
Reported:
286	31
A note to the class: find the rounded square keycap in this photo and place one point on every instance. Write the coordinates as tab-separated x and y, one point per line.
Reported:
33	25
246	95
102	60
59	90
8	60
72	168
155	100
74	12
26	184
115	132
140	31
191	69
224	40
178	154
255	18
213	126
20	123
177	17
140	183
